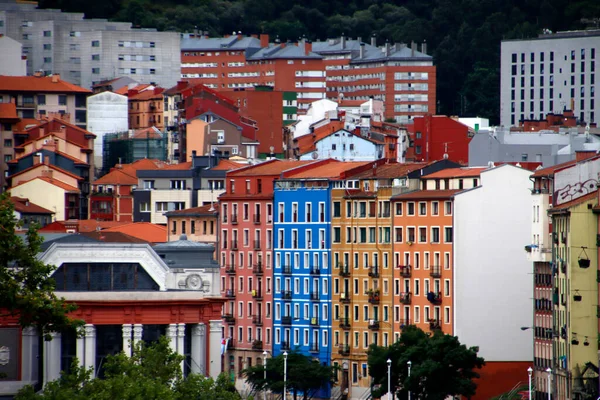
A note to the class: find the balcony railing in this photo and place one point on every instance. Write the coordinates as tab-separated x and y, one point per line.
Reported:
257	245
287	269
230	269
229	318
257	269
234	245
257	294
286	294
374	272
345	323
374	324
256	219
434	324
315	271
313	348
345	297
230	293
257	320
405	271
286	320
404	323
434	298
234	219
374	297
314	321
257	345
344	270
285	345
405	297
314	296
436	271
344	350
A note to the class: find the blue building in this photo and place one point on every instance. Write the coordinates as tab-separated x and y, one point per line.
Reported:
302	262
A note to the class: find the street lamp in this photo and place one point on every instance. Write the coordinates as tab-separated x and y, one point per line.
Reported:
389	363
530	372
265	370
549	371
409	363
285	375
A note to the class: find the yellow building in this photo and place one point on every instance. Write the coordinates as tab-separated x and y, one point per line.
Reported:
575	296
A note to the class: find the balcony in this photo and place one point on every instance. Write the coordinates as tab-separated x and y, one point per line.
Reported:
404	323
405	271
344	270
234	245
26	104
230	269
315	271
314	321
257	345
374	272
345	323
313	348
234	219
257	294
434	324
436	271
374	296
345	297
256	219
229	318
314	296
257	320
230	293
405	297
286	295
257	245
344	350
285	345
374	325
286	270
434	298
286	320
257	269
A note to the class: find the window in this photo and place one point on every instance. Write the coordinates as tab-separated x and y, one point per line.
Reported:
448	208
95	43
41	99
337	207
145	207
95	70
448	234
398	234
435	235
435	208
398	208
95	57
422	235
47	60
7	157
411	209
422	208
8	142
47	46
47	33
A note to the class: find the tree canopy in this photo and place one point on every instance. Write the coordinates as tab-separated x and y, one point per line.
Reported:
153	372
463	35
304	375
440	366
25	283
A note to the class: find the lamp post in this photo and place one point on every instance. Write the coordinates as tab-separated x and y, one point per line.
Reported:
285	375
530	372
265	370
549	371
389	363
409	363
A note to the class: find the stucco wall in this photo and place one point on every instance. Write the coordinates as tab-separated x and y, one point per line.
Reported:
44	195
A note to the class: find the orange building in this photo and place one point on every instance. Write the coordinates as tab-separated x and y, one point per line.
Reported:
146	108
199	224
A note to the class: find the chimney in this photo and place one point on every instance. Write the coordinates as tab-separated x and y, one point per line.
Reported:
239	35
362	50
343	41
38	74
374	41
584	155
307	47
181	84
264	40
413	48
55	78
386	48
424	47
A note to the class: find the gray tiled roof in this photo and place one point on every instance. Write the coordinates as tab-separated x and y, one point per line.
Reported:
216	44
288	50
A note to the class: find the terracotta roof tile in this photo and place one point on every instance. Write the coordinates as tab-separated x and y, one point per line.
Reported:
55	182
23	205
35	84
112	237
569	204
548	171
151	233
181	166
465	172
116	177
25	124
195	211
227	165
390	171
90	225
46	166
125	89
148	94
8	111
271	167
426	194
326	170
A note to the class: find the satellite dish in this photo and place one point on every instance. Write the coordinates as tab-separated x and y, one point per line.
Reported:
315	155
445	156
272	148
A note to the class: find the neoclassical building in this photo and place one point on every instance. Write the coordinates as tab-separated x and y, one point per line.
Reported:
126	293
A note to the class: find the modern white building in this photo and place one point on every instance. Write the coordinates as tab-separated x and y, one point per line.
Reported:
85	52
106	113
13	63
492	278
317	111
548	74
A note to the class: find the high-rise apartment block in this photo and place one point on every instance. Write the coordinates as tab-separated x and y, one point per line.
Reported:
548	74
85	52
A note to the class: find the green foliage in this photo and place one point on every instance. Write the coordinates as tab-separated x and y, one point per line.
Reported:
304	375
441	366
153	372
25	283
463	35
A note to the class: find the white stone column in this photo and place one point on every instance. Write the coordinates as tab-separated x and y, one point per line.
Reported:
127	330
52	358
215	348
90	347
172	336
80	350
29	362
199	349
180	342
138	329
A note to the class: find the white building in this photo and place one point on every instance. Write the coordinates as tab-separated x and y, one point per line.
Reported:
106	113
548	74
13	63
343	145
317	111
492	278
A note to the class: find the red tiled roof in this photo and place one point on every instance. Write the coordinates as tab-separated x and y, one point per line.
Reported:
271	167
112	237
38	84
465	172
227	165
572	203
551	170
47	166
24	206
125	89
147	95
181	166
91	225
426	195
306	143
151	233
147	133
390	171
116	177
26	123
55	182
350	103
328	170
8	111
202	210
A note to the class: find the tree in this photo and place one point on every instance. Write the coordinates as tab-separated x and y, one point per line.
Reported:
304	375
25	283
441	366
152	372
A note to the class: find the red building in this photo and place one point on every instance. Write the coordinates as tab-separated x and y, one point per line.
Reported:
437	137
246	258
